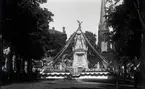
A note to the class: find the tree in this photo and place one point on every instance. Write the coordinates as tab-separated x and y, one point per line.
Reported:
92	39
128	29
1	57
125	32
25	27
57	42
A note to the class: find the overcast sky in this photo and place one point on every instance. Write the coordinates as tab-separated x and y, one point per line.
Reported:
67	12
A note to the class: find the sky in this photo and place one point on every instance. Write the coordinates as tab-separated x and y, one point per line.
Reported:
67	12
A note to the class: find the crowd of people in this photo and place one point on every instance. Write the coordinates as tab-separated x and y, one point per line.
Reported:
132	72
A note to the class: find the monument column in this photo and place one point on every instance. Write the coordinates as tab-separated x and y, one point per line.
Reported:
79	51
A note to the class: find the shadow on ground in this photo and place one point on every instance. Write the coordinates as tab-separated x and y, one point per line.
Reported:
76	88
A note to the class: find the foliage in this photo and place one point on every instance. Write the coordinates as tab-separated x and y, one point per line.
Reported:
57	42
92	39
25	30
25	26
126	35
1	51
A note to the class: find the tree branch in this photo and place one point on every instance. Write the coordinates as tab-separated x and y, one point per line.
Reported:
139	15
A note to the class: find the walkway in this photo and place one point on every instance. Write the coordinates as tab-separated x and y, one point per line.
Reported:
68	84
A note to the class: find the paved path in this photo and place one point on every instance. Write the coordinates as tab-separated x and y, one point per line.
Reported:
66	84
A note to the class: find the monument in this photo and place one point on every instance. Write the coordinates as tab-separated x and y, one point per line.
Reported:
78	67
79	51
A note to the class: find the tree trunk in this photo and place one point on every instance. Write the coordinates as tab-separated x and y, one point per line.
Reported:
18	67
142	65
139	11
125	68
29	68
10	65
22	65
143	41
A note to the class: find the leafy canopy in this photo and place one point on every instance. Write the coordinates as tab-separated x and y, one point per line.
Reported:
25	26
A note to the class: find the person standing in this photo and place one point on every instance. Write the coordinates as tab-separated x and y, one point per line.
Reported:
136	77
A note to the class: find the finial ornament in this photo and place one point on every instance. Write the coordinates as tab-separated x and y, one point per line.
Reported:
80	23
